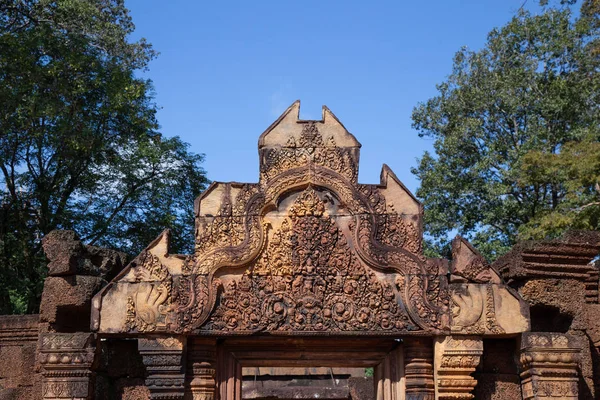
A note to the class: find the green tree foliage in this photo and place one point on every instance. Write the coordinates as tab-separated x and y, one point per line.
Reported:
79	141
511	127
576	170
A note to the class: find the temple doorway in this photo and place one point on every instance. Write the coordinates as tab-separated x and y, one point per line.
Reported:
267	368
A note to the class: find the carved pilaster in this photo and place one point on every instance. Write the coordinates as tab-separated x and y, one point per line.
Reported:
66	360
418	368
164	361
550	363
201	364
456	359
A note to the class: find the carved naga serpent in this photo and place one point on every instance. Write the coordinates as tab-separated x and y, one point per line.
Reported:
208	264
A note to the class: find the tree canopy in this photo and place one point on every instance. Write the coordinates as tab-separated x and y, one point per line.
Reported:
80	146
515	131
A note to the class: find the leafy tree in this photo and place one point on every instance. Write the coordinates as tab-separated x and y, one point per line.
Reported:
575	169
79	141
509	126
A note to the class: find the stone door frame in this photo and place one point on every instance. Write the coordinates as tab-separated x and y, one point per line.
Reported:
385	354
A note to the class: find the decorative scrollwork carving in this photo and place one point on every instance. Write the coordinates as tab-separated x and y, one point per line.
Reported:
418	279
310	256
321	286
477	270
307	249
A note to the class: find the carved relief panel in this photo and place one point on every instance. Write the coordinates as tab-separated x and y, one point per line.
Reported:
307	250
309	279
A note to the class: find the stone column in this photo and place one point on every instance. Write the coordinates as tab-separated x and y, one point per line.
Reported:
66	360
201	364
550	366
164	361
389	376
418	369
229	375
456	358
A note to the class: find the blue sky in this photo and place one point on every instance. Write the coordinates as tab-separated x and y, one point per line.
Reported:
227	69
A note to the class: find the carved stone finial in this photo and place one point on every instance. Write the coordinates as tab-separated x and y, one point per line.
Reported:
310	136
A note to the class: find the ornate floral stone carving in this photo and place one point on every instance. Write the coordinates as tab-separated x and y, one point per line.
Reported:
550	363
307	250
66	360
310	148
456	359
309	280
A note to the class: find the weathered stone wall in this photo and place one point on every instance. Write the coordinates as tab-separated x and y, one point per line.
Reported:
76	272
18	350
498	373
46	345
120	372
558	280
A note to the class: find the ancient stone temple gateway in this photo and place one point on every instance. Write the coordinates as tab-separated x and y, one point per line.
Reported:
309	268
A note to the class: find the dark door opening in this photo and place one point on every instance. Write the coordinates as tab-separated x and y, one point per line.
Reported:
281	368
282	383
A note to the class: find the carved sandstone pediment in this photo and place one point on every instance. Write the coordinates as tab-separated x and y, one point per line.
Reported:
307	250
